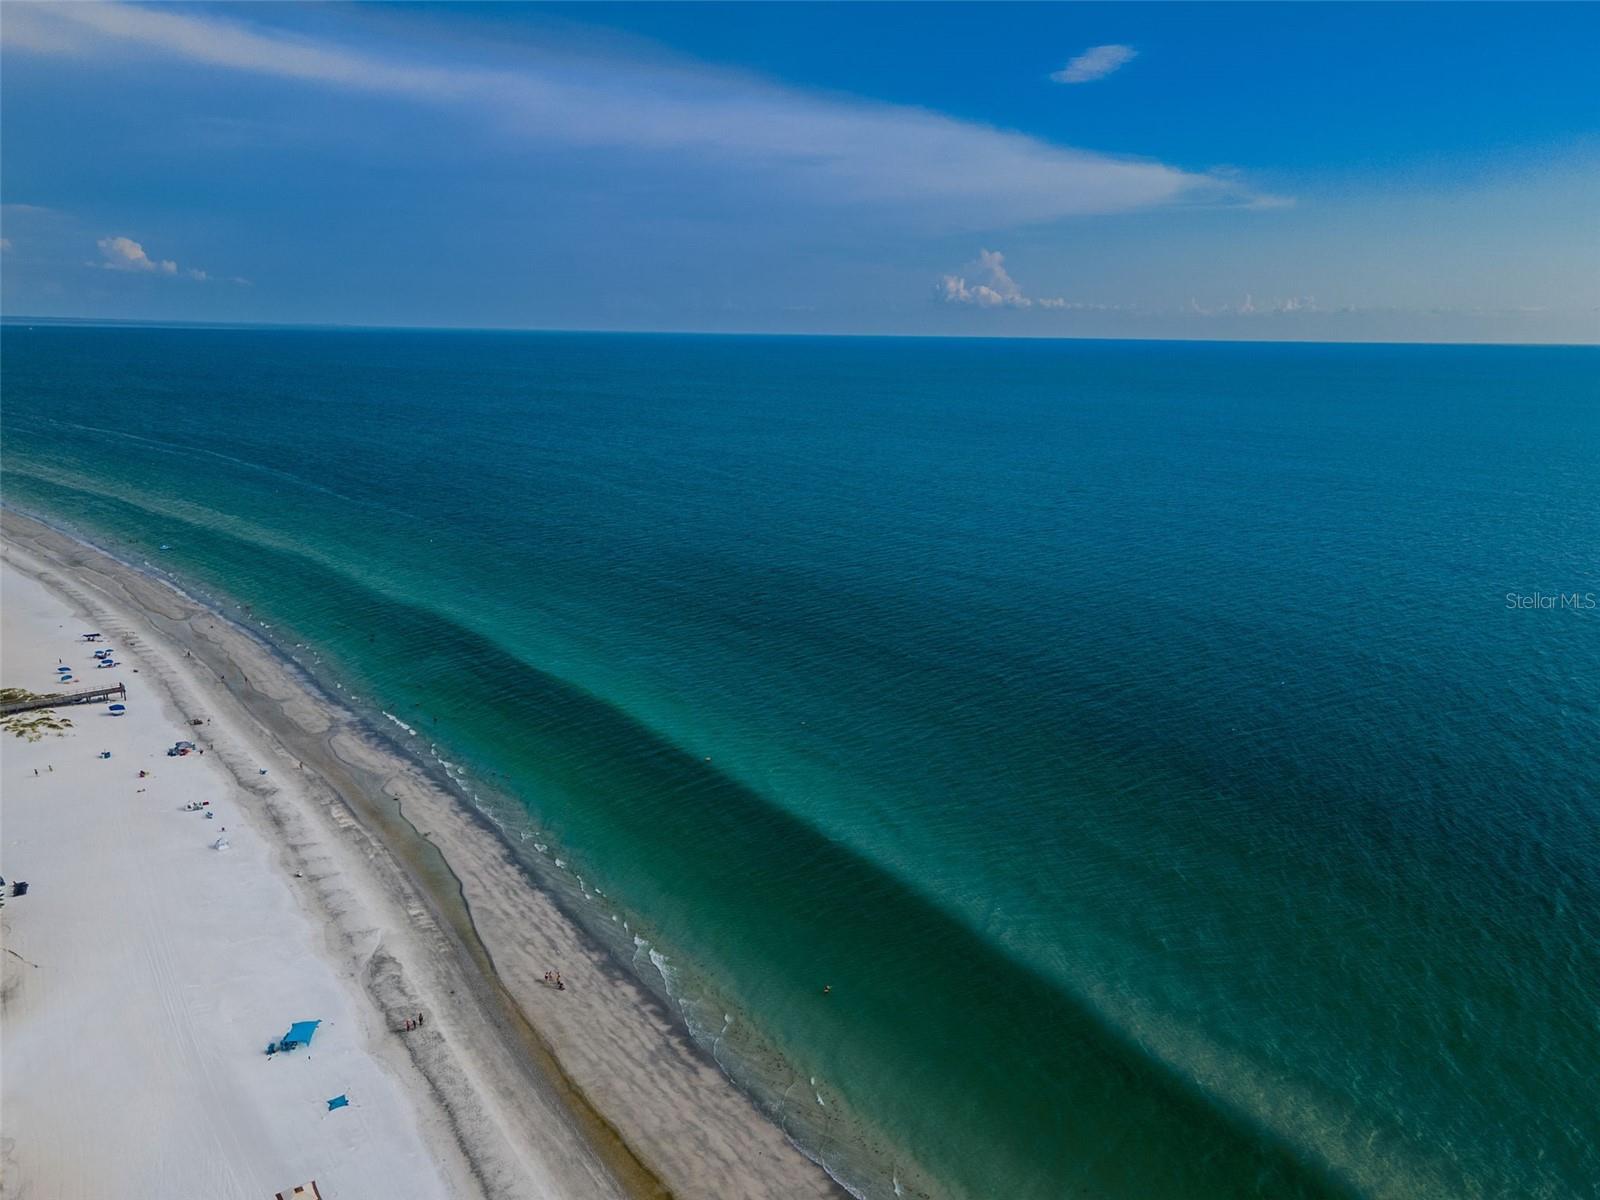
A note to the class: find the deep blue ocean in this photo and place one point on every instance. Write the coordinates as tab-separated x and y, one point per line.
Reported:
1182	761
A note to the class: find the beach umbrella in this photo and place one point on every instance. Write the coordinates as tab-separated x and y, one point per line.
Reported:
118	709
339	1101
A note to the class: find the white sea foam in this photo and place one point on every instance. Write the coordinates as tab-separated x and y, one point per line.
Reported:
640	946
663	967
401	723
727	1020
669	980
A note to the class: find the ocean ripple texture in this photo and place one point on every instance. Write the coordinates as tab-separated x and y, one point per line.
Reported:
1180	762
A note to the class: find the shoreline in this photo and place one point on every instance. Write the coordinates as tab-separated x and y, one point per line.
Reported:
634	1106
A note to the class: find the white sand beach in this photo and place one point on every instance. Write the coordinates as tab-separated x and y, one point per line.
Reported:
146	971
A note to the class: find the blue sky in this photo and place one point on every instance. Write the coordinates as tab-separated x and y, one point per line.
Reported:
1393	172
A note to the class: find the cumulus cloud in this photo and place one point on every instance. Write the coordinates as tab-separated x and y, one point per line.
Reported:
995	287
828	149
1095	63
125	254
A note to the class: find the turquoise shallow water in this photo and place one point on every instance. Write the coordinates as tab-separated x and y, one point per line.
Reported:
1137	737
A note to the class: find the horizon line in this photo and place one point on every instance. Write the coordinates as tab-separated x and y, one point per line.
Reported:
340	327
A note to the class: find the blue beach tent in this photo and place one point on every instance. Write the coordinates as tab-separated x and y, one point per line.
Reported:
300	1033
340	1101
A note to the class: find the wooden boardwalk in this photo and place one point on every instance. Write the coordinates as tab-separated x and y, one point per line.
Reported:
61	699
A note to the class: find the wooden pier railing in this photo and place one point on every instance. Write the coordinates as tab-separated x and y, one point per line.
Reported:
61	699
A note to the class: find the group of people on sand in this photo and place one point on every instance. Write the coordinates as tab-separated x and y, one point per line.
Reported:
414	1022
553	978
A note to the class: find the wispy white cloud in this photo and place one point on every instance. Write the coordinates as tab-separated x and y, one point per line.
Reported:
5	244
1249	308
994	289
822	148
1095	63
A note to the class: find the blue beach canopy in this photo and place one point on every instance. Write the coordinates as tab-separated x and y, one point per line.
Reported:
340	1101
301	1032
